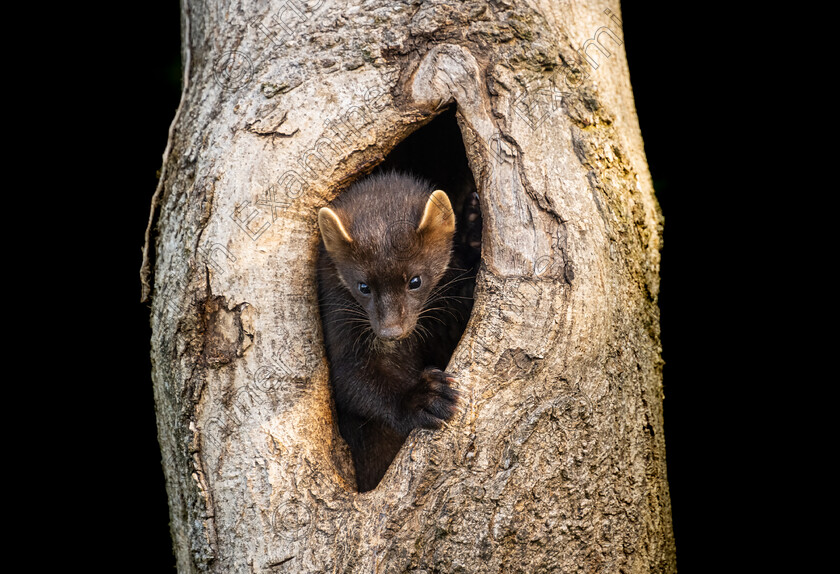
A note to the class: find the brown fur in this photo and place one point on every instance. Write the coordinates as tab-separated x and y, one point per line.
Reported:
385	347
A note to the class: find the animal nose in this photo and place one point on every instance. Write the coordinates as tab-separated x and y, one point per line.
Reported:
394	331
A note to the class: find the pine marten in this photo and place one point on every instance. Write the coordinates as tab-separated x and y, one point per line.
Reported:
393	308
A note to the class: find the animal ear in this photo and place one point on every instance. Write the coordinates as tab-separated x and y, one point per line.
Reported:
333	233
438	217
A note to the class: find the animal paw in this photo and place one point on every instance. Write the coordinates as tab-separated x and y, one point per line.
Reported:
433	400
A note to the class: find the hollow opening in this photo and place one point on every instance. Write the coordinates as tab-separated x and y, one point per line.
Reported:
391	321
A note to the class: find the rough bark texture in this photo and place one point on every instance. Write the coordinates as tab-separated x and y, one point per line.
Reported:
557	462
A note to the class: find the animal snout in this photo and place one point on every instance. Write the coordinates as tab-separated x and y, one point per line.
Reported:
392	332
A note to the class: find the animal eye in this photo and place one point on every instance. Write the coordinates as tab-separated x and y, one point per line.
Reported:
414	283
364	289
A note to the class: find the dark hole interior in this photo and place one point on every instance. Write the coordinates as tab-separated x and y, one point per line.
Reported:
434	152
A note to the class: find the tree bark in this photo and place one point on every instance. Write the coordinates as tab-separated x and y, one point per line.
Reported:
557	461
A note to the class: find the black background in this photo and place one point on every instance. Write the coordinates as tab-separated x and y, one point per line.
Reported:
678	77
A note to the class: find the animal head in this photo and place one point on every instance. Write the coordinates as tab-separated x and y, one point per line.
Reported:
390	239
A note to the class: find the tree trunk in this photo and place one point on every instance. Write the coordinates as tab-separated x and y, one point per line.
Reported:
557	461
